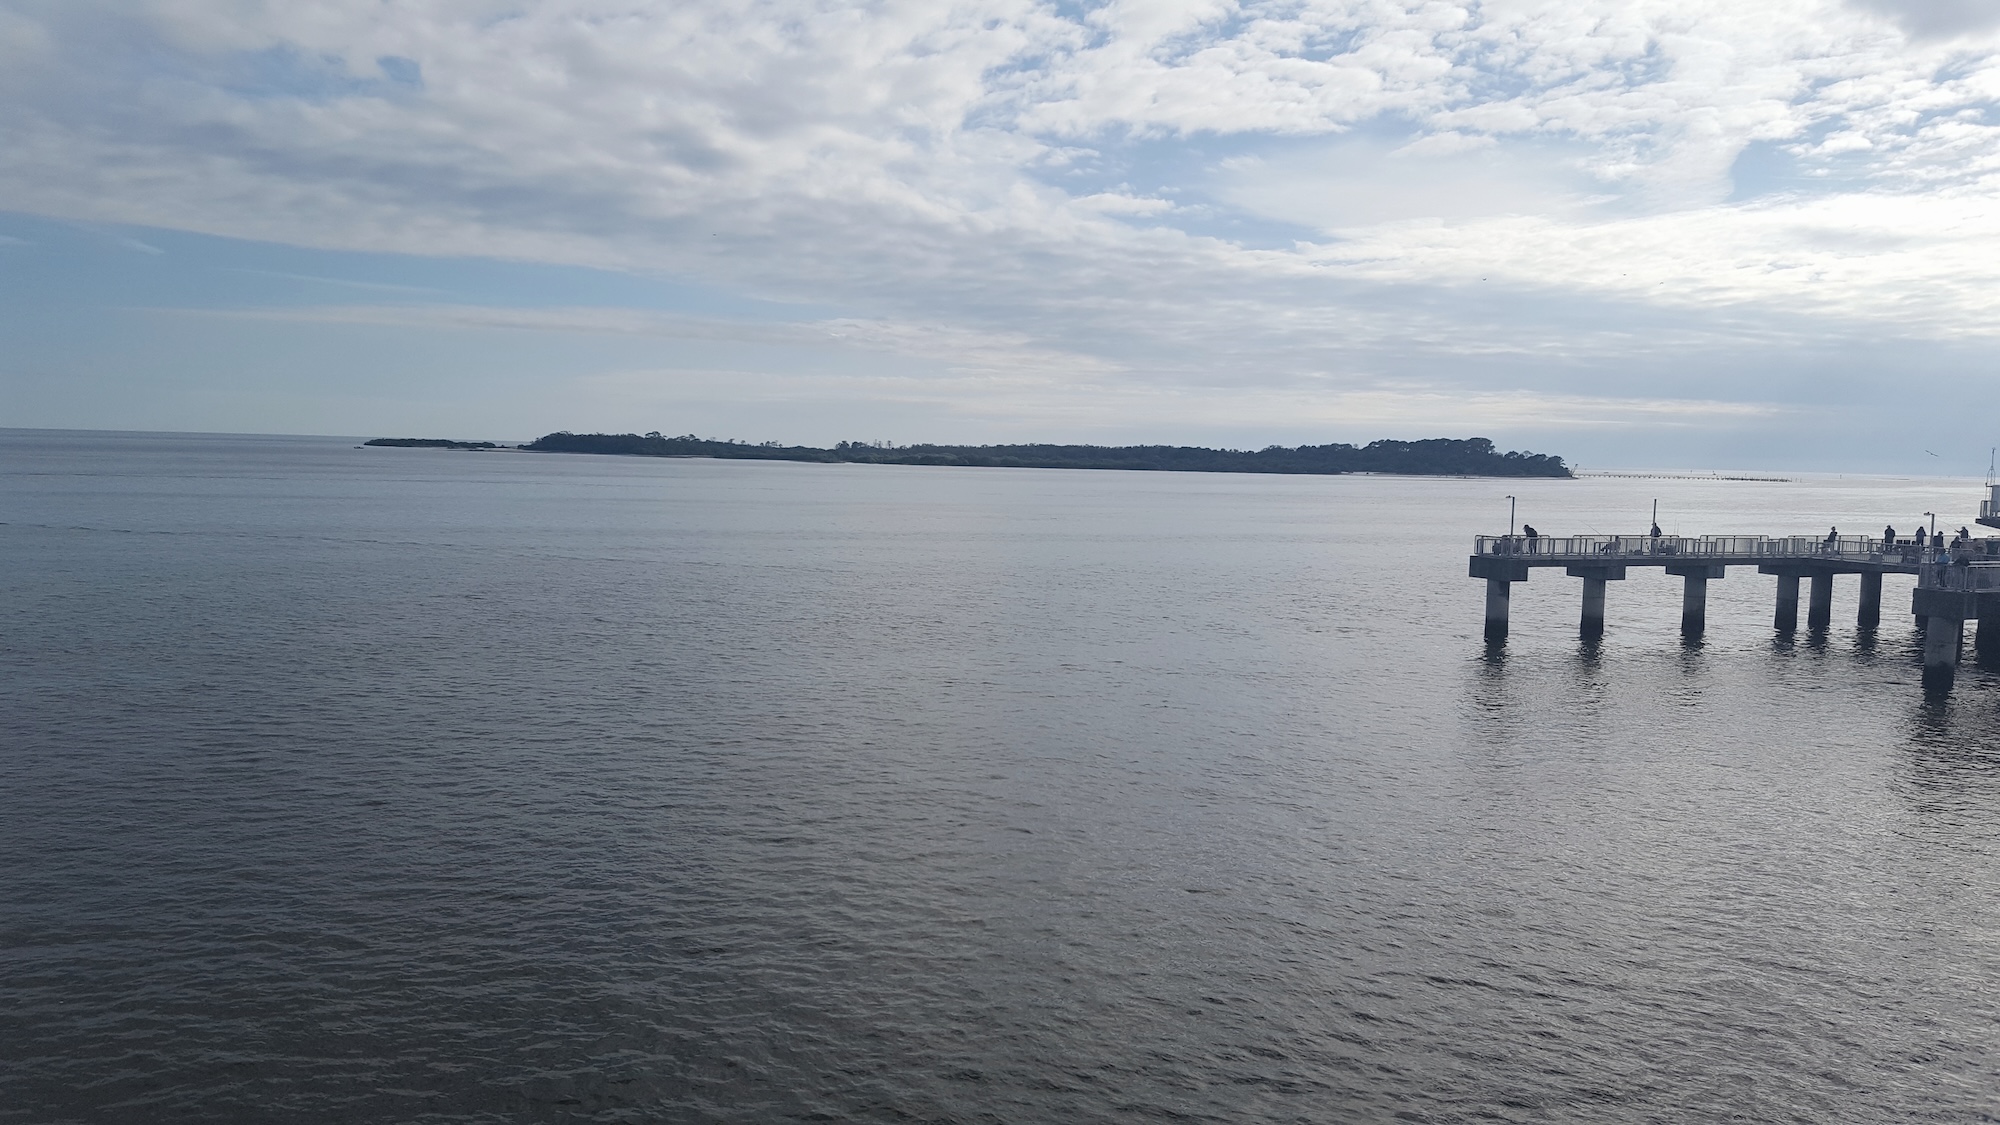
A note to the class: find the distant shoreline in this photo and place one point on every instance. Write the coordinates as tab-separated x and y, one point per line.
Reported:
1458	457
429	443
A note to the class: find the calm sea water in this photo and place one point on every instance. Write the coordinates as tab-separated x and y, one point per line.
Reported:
389	785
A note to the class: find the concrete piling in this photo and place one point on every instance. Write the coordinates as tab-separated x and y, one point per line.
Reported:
1941	643
1869	613
1593	607
1499	593
1787	617
1819	612
1694	605
1695	578
1594	578
1986	642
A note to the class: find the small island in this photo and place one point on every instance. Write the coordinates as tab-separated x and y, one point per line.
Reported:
1465	457
429	443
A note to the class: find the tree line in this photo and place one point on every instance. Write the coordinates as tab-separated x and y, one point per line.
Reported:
1430	457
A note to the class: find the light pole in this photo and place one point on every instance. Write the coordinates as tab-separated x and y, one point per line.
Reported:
1510	517
1933	516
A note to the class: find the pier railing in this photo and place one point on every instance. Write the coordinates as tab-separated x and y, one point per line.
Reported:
1962	573
1596	548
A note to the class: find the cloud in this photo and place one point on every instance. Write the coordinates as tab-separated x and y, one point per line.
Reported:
1937	18
1309	198
1359	182
959	350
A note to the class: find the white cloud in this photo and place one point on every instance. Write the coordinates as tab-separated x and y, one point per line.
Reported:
977	167
958	350
1358	182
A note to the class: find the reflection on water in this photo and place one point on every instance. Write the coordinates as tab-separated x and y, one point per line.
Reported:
387	785
1864	641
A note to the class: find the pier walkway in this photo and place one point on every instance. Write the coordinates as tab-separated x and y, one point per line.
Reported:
1953	586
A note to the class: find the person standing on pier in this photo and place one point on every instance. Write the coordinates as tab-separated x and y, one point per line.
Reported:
1920	536
1832	540
1889	536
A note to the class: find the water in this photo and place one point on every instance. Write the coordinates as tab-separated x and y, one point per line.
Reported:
386	785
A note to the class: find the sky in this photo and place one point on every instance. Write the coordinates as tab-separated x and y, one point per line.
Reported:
1638	233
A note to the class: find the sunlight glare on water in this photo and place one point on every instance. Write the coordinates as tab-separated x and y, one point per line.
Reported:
345	785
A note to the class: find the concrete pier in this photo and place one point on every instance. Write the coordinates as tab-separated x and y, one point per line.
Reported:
1951	588
1819	611
1944	612
1786	619
1869	613
1941	643
1694	595
1499	592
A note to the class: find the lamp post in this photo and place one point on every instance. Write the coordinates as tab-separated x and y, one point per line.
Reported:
1933	516
1510	517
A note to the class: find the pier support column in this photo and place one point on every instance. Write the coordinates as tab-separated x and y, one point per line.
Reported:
1594	578
1787	617
1499	592
1986	642
1941	641
1694	594
1944	614
1819	612
1593	607
1500	573
1694	605
1869	614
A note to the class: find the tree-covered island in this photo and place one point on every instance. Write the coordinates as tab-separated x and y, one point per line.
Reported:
430	443
1474	457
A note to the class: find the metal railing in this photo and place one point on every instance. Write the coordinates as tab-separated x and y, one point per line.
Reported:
1966	571
1600	548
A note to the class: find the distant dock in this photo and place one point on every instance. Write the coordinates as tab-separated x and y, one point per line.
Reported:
1954	585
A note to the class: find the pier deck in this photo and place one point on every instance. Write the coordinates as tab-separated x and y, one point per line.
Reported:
1953	586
